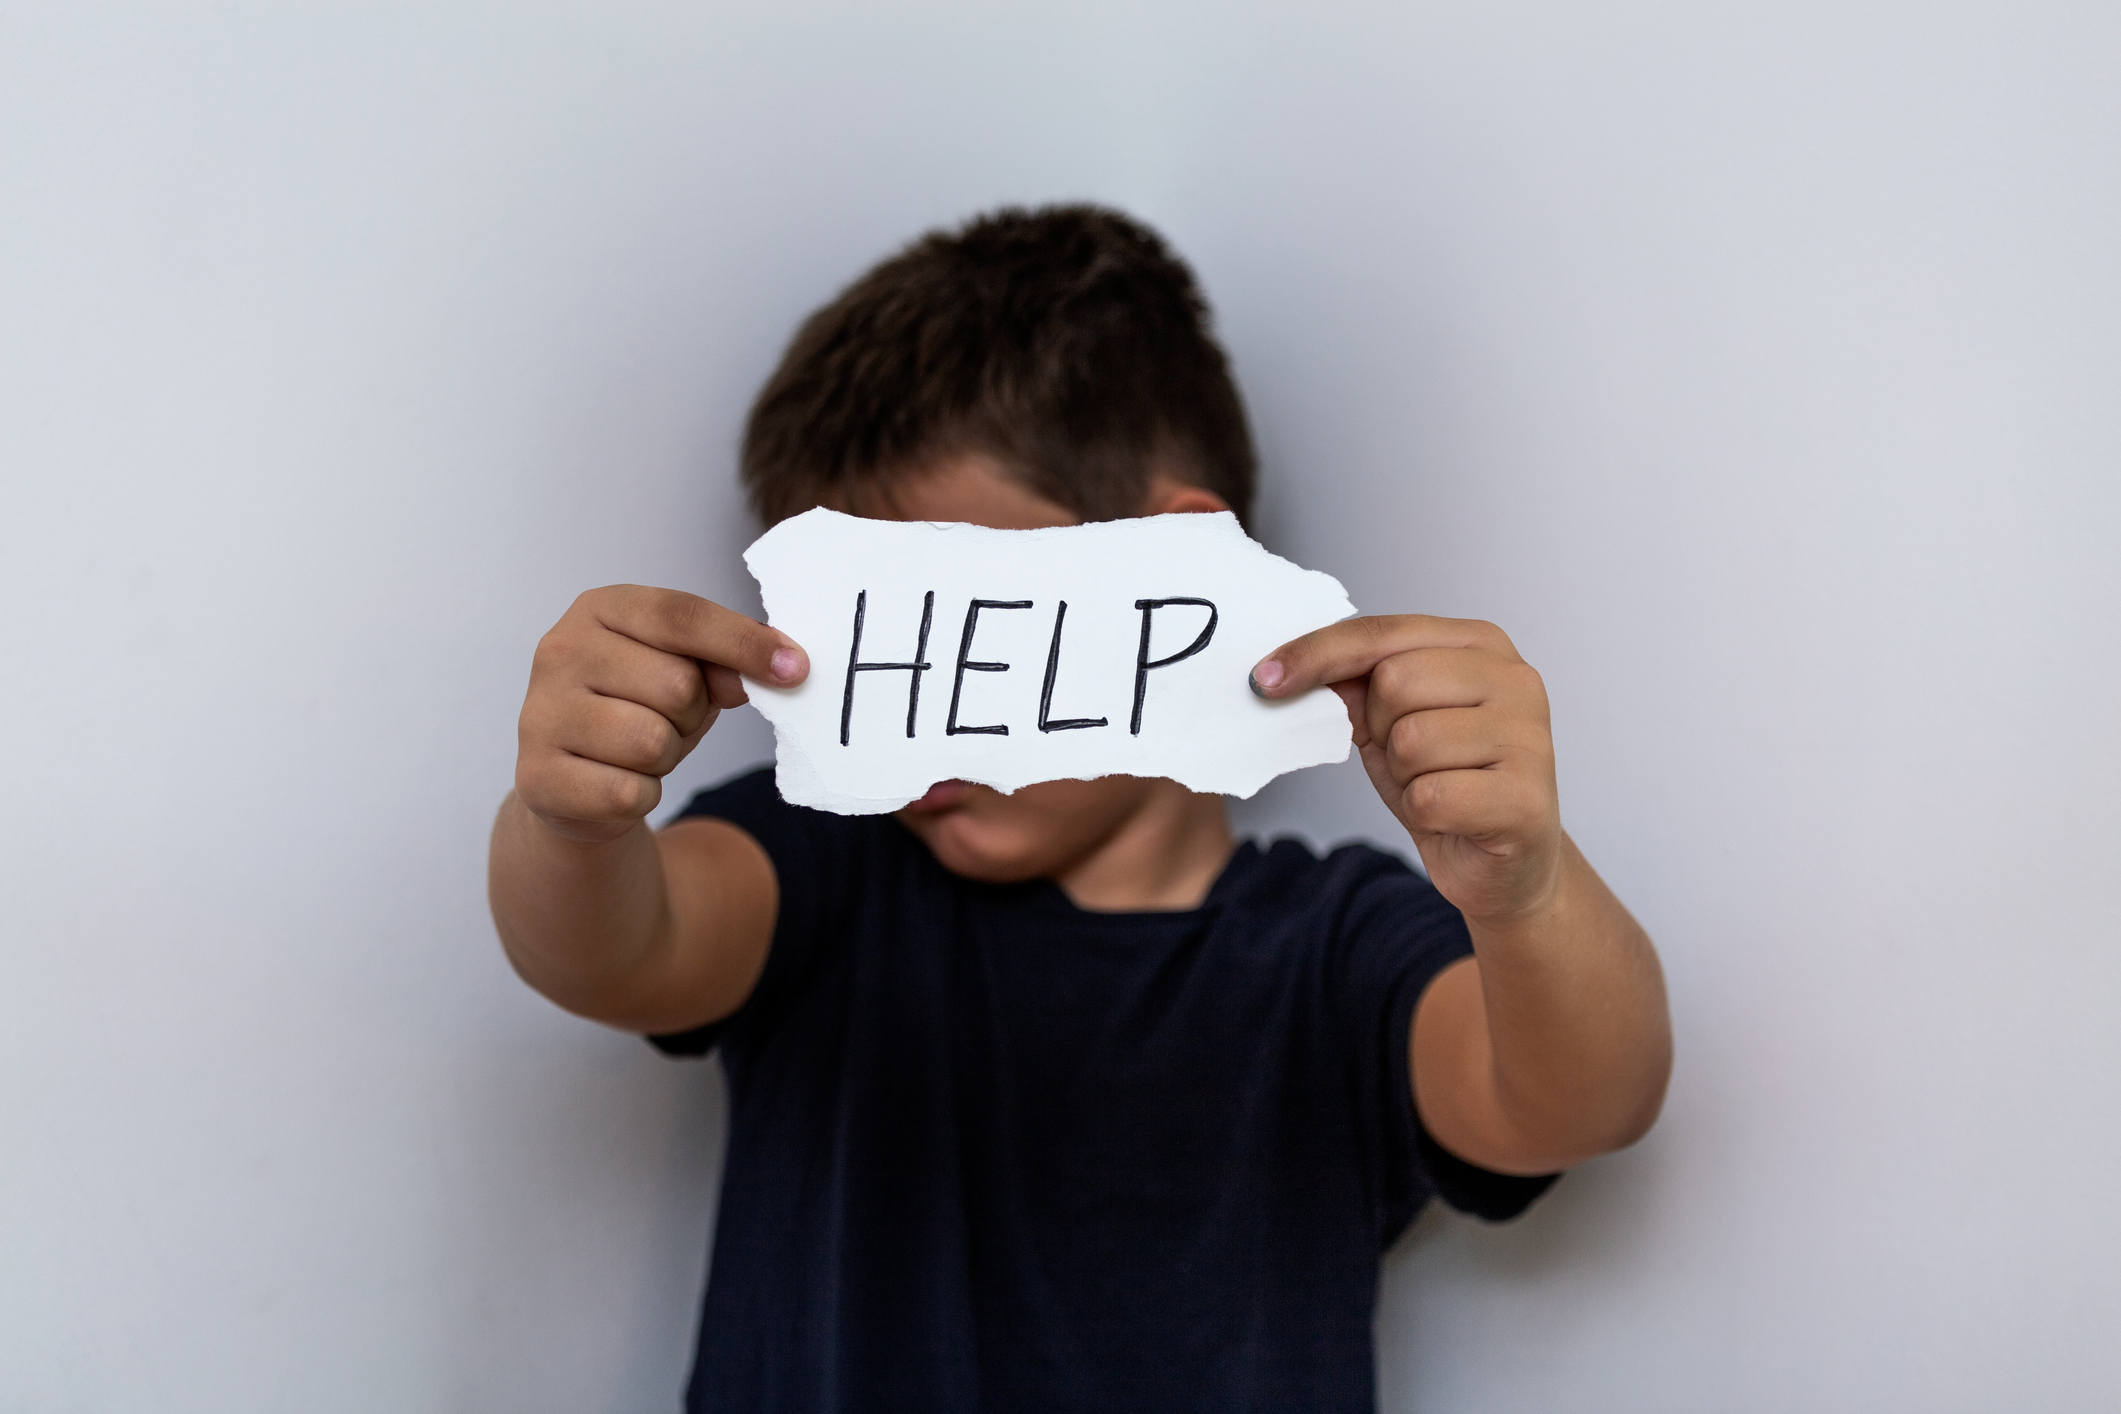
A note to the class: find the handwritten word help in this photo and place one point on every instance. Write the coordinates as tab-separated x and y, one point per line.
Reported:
1143	665
1120	647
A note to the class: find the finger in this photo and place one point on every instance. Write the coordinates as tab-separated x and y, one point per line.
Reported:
1422	678
618	733
1445	739
692	627
1478	804
560	786
1355	696
724	687
666	683
1352	647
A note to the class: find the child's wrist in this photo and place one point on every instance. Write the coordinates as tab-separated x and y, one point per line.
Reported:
1517	926
1534	913
584	836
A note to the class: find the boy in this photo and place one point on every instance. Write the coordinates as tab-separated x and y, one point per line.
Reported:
1065	1099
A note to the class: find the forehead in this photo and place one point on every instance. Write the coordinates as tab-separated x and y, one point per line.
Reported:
965	486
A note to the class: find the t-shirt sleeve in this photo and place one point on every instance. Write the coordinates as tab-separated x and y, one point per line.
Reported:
810	851
1395	933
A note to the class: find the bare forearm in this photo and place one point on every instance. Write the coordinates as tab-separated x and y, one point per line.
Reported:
581	922
1576	1021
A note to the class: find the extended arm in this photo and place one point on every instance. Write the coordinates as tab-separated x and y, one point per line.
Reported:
607	918
1551	1044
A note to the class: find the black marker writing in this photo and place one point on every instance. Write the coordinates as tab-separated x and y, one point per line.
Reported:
1045	696
965	665
1142	665
918	666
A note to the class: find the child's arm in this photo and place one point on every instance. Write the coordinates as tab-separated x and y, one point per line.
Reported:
1552	1043
610	920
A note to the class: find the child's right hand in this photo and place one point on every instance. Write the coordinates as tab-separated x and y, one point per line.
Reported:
621	690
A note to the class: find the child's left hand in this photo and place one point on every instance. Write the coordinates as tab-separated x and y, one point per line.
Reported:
1453	729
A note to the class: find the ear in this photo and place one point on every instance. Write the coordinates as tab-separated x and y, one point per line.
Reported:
1169	497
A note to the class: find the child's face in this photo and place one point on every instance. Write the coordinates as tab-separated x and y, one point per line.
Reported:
1040	830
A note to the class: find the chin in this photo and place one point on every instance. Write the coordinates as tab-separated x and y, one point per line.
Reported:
1036	833
974	848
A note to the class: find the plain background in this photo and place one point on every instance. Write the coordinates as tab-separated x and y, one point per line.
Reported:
1755	365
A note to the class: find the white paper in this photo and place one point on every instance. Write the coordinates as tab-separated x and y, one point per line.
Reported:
1199	722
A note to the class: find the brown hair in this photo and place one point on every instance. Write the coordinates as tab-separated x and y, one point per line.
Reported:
1068	343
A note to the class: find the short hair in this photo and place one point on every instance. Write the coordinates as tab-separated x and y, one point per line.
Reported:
1067	342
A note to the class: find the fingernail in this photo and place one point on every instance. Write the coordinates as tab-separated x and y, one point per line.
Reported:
786	663
1266	677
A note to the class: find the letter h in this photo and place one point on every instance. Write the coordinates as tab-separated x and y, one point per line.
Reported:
855	665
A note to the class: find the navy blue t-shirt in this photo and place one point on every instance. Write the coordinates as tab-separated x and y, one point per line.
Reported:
990	1151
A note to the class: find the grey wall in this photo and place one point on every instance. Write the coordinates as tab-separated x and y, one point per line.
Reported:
1754	365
